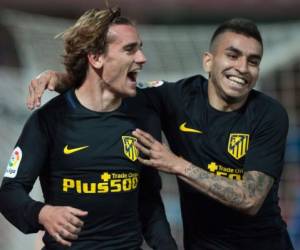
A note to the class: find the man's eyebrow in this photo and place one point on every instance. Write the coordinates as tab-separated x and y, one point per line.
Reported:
133	44
233	49
236	50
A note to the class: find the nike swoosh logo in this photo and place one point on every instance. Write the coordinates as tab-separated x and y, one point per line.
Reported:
68	151
183	128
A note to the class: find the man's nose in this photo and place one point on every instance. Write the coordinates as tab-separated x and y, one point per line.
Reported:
140	57
242	65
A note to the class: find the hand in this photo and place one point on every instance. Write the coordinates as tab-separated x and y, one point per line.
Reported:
46	80
160	157
62	222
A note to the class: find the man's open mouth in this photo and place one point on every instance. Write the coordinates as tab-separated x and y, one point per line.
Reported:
132	75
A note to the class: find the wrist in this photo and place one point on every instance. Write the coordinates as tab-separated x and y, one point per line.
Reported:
62	81
182	166
43	214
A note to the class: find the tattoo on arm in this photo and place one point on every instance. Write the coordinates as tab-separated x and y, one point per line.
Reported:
246	195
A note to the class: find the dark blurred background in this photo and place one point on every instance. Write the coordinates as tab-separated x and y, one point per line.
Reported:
168	11
175	35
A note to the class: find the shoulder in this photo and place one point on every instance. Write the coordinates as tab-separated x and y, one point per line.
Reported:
50	112
267	105
191	80
59	104
190	83
266	110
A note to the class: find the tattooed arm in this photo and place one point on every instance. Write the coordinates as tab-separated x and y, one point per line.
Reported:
245	195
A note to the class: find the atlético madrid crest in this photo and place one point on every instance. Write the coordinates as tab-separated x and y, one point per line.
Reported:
130	150
238	145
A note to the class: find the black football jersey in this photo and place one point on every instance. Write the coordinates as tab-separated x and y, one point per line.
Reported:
86	160
225	144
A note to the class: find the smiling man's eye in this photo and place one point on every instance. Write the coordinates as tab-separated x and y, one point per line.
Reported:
254	62
232	55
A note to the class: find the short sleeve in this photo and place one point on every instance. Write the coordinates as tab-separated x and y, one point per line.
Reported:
267	145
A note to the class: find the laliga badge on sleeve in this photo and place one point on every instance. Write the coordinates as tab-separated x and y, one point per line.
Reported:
13	163
150	84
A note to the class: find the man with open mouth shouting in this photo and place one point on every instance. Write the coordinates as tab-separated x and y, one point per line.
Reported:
97	195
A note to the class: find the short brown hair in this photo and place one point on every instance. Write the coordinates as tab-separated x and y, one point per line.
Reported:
88	35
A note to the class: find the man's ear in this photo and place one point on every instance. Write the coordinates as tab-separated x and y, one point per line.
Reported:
95	60
207	62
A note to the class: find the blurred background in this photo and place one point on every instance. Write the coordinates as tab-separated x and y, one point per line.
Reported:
175	35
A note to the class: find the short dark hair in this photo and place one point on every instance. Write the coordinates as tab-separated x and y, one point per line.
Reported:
89	35
240	26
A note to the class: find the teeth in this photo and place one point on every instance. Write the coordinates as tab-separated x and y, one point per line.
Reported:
137	70
237	80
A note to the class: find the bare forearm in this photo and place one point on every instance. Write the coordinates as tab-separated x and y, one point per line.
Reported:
246	195
226	191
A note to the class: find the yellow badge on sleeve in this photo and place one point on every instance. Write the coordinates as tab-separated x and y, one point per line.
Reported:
13	163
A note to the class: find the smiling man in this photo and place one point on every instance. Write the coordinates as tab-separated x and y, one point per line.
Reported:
80	146
228	142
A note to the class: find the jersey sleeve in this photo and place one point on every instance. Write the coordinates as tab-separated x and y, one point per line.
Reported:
155	227
160	98
24	166
267	147
146	116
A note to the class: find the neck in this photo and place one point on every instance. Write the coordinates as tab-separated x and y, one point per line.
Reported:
223	103
94	95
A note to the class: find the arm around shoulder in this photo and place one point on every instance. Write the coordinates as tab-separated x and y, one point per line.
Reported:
49	79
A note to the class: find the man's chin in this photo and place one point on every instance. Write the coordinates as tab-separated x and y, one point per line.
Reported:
131	93
234	99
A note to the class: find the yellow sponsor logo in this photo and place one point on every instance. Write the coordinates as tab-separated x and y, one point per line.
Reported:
238	145
68	150
230	173
184	128
130	150
109	183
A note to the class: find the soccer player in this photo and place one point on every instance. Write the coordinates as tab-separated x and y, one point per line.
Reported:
80	146
227	145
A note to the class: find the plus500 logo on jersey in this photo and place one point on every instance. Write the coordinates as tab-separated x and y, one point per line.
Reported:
110	183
